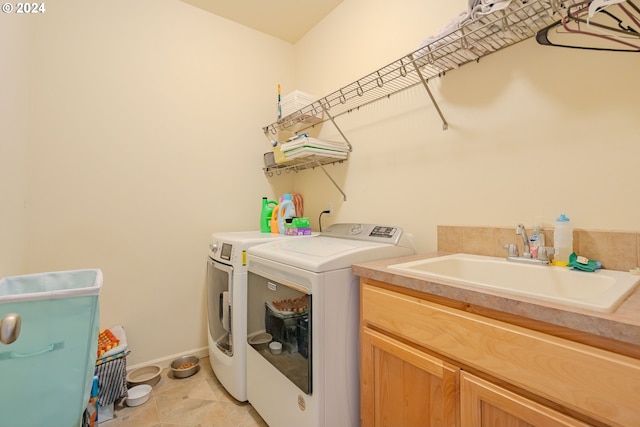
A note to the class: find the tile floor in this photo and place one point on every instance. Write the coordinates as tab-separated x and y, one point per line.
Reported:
197	401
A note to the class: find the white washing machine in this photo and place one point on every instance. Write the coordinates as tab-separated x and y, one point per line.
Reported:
227	305
303	295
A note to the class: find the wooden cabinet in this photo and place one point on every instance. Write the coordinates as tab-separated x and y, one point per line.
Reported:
402	386
428	364
484	404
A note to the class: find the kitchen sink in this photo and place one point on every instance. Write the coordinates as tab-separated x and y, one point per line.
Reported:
602	290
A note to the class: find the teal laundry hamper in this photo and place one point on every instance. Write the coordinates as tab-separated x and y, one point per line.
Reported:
48	356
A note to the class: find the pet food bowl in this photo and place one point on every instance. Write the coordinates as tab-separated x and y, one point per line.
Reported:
260	341
138	395
144	375
185	366
275	347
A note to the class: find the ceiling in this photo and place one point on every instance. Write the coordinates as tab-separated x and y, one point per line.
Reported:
287	20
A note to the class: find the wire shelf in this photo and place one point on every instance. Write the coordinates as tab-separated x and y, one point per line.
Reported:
310	162
468	43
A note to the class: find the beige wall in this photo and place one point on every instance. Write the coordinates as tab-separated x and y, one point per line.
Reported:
14	119
145	136
534	131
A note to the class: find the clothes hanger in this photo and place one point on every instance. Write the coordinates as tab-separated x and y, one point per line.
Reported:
582	8
597	5
542	37
568	25
621	28
635	19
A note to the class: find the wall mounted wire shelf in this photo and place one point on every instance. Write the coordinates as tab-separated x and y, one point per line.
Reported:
469	42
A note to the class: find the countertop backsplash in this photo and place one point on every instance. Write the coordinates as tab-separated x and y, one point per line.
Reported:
616	250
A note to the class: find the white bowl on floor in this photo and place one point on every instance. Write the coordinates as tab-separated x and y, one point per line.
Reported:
275	347
138	395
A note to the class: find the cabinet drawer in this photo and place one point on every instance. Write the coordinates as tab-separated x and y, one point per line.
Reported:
595	382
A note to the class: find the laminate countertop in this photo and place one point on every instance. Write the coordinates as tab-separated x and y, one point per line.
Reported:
620	326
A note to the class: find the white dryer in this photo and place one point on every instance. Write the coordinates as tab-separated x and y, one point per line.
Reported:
303	294
227	305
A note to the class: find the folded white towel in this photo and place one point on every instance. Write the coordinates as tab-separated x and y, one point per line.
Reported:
476	10
313	142
311	151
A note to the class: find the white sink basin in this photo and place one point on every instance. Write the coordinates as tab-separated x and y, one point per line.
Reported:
602	290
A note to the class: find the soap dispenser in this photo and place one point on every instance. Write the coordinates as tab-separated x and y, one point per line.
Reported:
536	241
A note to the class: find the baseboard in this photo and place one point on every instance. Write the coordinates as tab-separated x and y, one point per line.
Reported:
164	362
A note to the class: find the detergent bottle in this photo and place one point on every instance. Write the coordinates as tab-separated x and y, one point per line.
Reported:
286	210
266	214
273	223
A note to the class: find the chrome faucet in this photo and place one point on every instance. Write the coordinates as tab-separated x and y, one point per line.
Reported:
520	231
513	255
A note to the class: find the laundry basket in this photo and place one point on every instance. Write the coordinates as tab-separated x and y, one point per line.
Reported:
46	373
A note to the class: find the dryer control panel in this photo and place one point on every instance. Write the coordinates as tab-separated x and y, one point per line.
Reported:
222	251
369	232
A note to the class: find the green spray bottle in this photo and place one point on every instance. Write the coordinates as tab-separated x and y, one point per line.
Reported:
266	213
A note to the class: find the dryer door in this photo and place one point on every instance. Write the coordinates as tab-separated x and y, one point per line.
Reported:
282	309
219	312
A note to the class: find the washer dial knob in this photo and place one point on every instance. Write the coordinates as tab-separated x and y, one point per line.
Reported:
356	229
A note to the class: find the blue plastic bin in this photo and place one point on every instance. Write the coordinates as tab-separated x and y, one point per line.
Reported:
46	373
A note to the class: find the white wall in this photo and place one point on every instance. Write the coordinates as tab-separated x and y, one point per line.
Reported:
146	138
533	131
14	118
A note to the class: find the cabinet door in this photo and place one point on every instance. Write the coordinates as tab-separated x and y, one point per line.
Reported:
401	386
483	403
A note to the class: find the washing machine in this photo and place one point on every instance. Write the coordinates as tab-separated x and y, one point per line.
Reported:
303	297
227	305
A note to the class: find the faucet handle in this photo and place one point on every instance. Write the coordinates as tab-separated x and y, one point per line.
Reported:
544	252
512	250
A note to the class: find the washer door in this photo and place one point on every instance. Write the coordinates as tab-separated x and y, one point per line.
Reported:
219	311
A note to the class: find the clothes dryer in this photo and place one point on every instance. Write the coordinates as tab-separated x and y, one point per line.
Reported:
303	293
